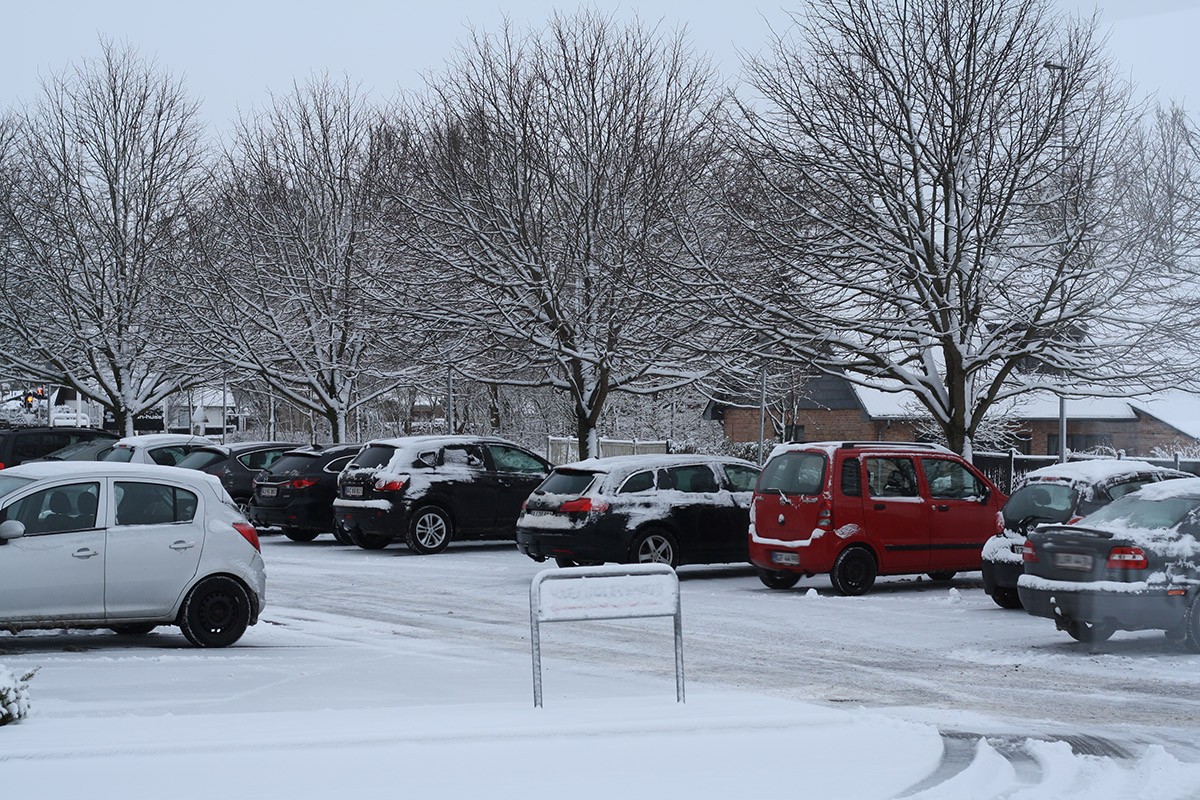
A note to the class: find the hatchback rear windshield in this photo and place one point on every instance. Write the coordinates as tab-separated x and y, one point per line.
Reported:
794	473
121	455
199	459
292	462
1143	512
567	481
1043	502
376	455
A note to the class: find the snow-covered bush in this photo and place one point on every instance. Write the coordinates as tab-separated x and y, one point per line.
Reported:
14	695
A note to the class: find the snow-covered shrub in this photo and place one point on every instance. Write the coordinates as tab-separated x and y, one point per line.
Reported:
14	695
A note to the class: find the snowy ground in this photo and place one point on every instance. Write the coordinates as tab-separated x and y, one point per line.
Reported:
380	674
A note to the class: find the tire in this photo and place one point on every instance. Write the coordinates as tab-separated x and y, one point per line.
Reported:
1191	626
570	562
341	536
371	541
854	572
215	613
134	629
429	531
773	579
654	547
1006	597
300	536
1089	632
942	575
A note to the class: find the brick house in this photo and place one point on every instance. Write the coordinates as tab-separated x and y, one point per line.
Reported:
834	409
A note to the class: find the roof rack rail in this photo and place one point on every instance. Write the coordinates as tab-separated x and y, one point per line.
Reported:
896	445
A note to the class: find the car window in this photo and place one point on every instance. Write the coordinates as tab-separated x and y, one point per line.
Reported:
510	459
637	482
694	479
168	456
57	510
153	504
376	455
199	459
463	455
261	459
338	464
794	473
852	478
1122	489
121	455
567	481
891	477
741	479
950	480
1046	502
1143	512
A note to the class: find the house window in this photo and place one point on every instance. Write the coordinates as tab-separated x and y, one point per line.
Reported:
1078	442
793	433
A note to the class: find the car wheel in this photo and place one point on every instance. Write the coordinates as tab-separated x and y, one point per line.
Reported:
774	579
570	562
371	541
1090	632
300	536
655	547
429	531
215	613
942	575
854	572
1006	597
341	536
136	629
1191	626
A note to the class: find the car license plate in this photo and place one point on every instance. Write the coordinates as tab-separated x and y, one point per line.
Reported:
1073	561
353	491
785	558
270	491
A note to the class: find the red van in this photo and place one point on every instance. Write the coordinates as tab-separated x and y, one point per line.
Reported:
856	510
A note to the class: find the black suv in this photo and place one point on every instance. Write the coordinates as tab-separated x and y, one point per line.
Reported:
18	445
296	493
669	509
236	465
431	490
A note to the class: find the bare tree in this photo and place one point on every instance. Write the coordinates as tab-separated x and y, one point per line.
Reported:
932	210
550	170
297	243
101	172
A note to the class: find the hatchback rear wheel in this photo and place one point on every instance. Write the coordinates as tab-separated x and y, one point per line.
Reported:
571	562
774	579
1090	632
1191	626
215	613
297	535
655	547
1006	597
429	531
854	572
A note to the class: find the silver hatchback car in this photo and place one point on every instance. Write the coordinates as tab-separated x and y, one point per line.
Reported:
127	547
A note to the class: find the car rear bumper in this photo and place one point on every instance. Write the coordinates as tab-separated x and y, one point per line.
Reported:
309	516
600	540
1150	609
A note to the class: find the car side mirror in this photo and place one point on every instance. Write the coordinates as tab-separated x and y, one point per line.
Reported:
11	529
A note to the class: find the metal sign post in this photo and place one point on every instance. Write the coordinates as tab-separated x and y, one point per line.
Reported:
620	591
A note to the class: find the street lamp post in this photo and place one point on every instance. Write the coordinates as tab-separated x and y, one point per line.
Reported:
1062	168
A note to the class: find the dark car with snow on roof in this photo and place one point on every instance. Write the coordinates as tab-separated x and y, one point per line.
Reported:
295	493
671	509
1132	565
1056	494
431	490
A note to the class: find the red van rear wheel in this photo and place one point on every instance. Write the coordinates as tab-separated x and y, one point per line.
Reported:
854	572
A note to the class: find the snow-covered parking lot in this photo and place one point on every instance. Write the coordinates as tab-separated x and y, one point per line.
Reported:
383	674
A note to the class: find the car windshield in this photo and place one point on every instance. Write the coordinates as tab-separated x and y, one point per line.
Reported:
199	459
794	473
1144	512
10	483
1042	502
567	481
70	450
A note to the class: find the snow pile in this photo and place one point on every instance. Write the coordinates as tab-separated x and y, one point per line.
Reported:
14	695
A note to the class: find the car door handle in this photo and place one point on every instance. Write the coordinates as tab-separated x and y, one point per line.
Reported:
182	545
942	508
85	552
880	506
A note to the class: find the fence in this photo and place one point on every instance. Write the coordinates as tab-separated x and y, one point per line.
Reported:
565	449
1007	469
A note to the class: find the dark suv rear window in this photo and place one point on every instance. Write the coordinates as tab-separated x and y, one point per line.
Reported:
567	482
377	455
292	462
794	473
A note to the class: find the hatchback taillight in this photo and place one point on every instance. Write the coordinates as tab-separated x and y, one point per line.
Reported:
824	515
582	505
1029	553
248	533
302	483
390	484
1127	558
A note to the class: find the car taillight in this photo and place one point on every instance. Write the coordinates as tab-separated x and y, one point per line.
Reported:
390	484
302	483
1073	520
1028	552
582	505
824	514
248	533
1127	558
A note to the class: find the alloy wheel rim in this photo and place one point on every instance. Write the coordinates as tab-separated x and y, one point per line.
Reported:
431	530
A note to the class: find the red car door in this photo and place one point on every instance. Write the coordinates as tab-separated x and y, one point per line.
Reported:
962	514
895	515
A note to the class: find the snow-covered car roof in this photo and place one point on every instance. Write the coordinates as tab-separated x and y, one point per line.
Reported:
888	447
632	463
1095	472
425	442
1164	490
40	470
158	439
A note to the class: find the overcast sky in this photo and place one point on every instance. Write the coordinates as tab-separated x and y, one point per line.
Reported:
232	54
